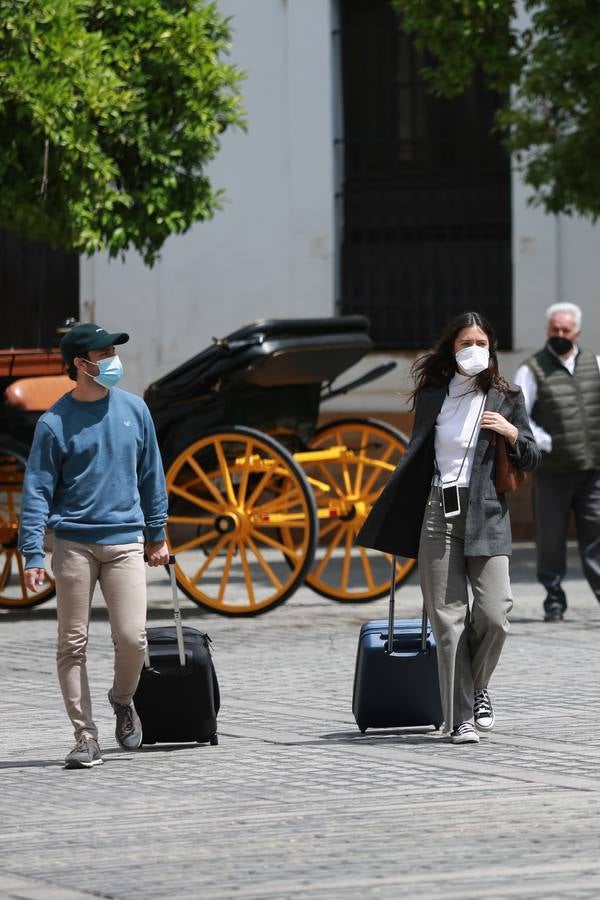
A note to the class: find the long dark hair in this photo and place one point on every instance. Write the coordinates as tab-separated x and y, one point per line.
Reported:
438	365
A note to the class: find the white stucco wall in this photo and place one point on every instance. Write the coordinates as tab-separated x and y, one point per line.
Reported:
270	253
556	259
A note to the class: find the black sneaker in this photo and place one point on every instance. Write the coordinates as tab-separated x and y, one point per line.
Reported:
553	614
464	733
555	605
483	711
128	731
84	755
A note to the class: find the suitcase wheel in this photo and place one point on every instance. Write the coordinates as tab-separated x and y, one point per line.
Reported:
214	739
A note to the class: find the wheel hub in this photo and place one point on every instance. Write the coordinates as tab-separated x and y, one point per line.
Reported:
225	524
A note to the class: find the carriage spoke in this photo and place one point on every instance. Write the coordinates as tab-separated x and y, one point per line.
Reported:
377	471
277	545
347	560
259	489
225	473
329	526
345	471
243	487
210	558
367	569
328	477
264	564
195	500
247	574
283	501
21	575
324	562
226	570
208	484
5	571
190	520
196	542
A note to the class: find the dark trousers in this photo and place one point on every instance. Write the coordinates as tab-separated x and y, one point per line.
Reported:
554	496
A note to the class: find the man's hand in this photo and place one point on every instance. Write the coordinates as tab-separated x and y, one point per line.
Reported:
34	579
157	553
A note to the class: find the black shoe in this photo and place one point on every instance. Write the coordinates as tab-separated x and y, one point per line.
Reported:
553	614
555	605
129	728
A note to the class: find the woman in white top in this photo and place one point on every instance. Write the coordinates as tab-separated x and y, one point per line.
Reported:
441	505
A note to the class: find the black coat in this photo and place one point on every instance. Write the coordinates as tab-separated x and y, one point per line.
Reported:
394	523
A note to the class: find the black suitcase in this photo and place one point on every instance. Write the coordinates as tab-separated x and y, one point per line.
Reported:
396	676
177	698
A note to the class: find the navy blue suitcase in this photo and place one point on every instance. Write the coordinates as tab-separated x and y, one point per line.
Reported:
401	687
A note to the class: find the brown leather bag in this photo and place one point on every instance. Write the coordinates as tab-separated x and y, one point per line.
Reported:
508	477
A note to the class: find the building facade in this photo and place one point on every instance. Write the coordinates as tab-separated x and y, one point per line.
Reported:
352	191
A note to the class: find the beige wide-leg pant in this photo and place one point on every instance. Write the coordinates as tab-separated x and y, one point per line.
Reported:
120	571
469	639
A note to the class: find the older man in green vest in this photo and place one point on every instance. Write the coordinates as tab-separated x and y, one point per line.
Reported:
561	386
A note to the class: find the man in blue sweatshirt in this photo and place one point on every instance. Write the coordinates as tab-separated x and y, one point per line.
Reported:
95	478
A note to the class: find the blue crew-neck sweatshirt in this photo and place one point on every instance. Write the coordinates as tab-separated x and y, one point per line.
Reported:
94	475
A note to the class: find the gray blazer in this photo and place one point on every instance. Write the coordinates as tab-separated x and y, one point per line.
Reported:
394	523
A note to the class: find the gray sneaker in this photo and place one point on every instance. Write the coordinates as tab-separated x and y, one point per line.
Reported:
128	731
84	755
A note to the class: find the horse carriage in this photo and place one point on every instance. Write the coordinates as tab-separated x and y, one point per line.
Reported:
262	498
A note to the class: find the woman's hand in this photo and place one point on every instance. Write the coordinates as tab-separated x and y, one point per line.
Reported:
496	422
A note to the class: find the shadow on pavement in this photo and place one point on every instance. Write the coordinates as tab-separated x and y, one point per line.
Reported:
32	764
410	736
99	613
114	755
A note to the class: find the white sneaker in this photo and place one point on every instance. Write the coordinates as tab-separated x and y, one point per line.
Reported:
464	733
483	711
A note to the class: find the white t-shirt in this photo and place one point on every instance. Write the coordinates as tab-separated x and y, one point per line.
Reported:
457	428
526	380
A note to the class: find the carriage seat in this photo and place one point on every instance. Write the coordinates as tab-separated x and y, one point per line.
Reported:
37	394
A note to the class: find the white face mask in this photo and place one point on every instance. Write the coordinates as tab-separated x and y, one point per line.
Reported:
473	359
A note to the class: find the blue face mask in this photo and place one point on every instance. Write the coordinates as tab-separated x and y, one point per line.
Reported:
110	371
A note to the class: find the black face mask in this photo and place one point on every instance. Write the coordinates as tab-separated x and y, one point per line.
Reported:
560	345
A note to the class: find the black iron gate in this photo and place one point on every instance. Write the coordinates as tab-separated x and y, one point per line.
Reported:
39	289
426	206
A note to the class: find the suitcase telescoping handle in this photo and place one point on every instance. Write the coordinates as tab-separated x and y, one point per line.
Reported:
176	613
391	616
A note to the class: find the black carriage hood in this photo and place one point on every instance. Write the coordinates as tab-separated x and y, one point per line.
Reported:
268	352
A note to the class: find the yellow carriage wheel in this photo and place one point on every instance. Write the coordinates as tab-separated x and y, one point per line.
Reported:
357	456
13	590
230	494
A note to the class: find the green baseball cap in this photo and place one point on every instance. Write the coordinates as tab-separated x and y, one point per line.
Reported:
82	338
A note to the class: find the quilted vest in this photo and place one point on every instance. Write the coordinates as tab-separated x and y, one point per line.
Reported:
568	408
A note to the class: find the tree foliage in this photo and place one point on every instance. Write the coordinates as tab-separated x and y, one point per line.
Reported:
129	98
545	56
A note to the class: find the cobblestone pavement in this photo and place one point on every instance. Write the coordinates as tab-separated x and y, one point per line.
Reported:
295	802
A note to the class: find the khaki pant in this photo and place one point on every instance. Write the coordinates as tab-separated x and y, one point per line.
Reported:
469	640
120	571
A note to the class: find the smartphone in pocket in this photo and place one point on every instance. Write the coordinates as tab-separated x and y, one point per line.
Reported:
450	500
